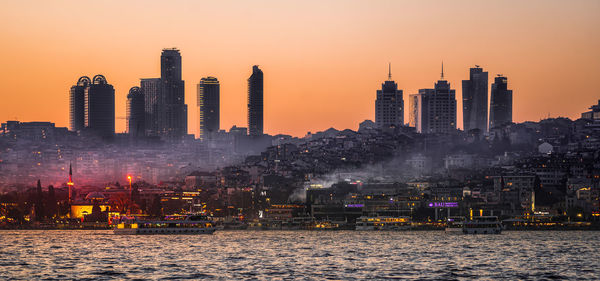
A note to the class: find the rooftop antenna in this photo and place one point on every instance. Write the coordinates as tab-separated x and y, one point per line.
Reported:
442	70
389	71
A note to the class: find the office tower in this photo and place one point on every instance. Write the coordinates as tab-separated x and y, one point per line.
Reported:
209	103
166	111
100	107
175	109
389	105
136	112
255	102
475	100
436	108
500	103
77	104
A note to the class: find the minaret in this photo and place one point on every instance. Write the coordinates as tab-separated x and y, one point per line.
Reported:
70	182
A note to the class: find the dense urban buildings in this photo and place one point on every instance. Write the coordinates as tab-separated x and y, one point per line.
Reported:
166	111
100	107
136	115
501	103
255	102
77	104
434	109
209	106
475	100
389	105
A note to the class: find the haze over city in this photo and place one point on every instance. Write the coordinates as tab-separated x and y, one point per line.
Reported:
322	63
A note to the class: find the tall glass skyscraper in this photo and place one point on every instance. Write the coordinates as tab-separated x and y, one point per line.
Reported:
436	108
209	103
136	112
166	111
389	105
475	100
255	102
100	107
77	104
501	103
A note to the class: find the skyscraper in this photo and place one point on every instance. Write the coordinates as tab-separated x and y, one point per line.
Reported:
255	102
166	111
436	108
389	105
136	112
100	107
500	103
209	103
175	109
77	104
475	100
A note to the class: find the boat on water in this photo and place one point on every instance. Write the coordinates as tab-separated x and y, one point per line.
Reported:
455	224
191	224
483	225
383	223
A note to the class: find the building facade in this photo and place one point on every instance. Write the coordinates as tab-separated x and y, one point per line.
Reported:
255	102
475	100
500	103
100	107
389	105
435	109
136	116
77	104
209	106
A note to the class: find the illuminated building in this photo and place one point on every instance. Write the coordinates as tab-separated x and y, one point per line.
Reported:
500	103
100	107
389	105
209	103
436	108
77	104
255	102
136	112
475	100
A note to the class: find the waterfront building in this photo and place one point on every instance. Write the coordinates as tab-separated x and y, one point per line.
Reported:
434	110
389	105
77	104
255	102
209	106
100	107
500	103
136	112
475	100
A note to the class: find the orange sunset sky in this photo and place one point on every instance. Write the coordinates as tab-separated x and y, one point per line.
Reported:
322	60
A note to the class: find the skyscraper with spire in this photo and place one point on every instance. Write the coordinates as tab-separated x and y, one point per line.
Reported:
435	109
389	104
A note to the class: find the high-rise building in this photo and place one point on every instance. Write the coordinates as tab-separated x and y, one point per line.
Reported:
475	100
500	103
136	112
77	104
166	111
435	108
209	103
100	107
255	102
389	105
153	99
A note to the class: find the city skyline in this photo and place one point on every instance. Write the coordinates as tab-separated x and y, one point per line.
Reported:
347	65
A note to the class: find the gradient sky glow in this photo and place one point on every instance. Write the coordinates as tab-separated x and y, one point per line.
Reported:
322	60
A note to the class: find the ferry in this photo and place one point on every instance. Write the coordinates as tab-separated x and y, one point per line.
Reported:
191	224
383	223
455	224
483	225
